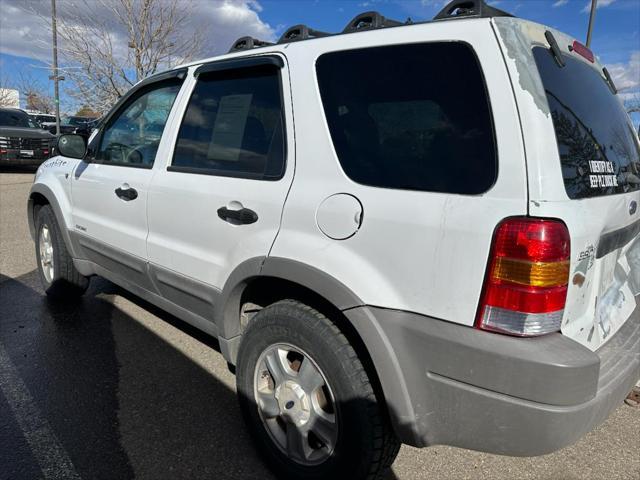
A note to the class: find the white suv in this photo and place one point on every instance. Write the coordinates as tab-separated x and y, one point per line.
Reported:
423	233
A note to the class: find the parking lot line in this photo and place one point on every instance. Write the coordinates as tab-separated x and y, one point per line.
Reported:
47	450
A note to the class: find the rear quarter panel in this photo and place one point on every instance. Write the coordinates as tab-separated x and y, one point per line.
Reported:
416	251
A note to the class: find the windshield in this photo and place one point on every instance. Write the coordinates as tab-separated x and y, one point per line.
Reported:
598	146
15	118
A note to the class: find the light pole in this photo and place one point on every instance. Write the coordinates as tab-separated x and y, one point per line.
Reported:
592	17
55	77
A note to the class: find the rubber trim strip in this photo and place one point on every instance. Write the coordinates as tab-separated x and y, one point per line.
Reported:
616	239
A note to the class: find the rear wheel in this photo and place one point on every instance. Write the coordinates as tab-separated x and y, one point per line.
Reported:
58	275
308	400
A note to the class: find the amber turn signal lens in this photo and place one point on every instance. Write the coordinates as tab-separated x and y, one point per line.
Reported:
534	274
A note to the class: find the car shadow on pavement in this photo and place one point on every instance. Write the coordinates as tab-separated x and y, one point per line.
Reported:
123	402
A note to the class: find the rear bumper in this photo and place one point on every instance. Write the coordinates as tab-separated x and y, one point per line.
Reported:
455	385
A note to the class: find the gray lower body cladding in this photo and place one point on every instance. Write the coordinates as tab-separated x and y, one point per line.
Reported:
455	385
444	383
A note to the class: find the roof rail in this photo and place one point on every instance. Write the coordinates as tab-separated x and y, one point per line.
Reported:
369	21
247	43
469	8
301	32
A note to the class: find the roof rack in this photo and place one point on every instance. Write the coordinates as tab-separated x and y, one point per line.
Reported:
247	43
373	20
469	8
369	21
301	32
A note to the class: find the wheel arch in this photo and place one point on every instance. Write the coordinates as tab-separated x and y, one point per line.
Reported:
266	280
39	196
278	277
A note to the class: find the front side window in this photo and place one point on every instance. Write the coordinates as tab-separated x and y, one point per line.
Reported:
132	137
411	117
234	125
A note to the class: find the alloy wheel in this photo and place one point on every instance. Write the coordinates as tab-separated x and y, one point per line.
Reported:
296	404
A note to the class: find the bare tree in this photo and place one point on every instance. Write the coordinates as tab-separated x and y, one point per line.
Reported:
105	53
7	97
36	95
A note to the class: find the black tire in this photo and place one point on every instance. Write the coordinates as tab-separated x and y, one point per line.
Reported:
366	444
66	281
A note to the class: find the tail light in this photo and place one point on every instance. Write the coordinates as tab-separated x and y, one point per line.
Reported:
526	282
582	50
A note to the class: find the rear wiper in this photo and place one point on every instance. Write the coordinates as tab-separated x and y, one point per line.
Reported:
609	80
555	50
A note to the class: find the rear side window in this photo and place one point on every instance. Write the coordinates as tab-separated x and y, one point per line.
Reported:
234	126
598	147
411	117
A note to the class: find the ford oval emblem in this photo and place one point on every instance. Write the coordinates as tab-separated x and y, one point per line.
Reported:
632	207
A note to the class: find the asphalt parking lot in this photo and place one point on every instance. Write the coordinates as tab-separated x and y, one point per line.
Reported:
114	388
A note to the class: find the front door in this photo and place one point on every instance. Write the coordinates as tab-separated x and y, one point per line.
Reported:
110	189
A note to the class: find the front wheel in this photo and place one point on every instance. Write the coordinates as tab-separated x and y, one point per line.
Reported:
308	400
58	275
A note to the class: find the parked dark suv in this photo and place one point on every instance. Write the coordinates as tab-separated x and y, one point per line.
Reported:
22	142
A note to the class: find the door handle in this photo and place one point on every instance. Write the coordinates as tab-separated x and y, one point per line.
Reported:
244	216
126	194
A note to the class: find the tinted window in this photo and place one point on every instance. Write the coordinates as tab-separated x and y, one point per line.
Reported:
598	147
133	135
14	118
410	117
233	125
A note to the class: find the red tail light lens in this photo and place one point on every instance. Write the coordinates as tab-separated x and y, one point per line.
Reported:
582	50
526	284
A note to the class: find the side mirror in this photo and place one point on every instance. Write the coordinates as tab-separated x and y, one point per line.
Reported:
72	146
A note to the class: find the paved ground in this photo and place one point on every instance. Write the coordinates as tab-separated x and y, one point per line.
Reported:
114	388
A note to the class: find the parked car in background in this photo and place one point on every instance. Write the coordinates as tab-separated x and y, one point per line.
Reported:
87	128
77	121
72	124
42	118
22	140
441	246
51	127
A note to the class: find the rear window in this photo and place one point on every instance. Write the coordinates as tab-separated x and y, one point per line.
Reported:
598	147
411	117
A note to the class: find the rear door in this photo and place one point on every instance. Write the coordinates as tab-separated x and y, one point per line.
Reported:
409	154
219	200
584	168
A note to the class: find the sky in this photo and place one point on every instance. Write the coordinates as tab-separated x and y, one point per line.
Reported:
25	42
